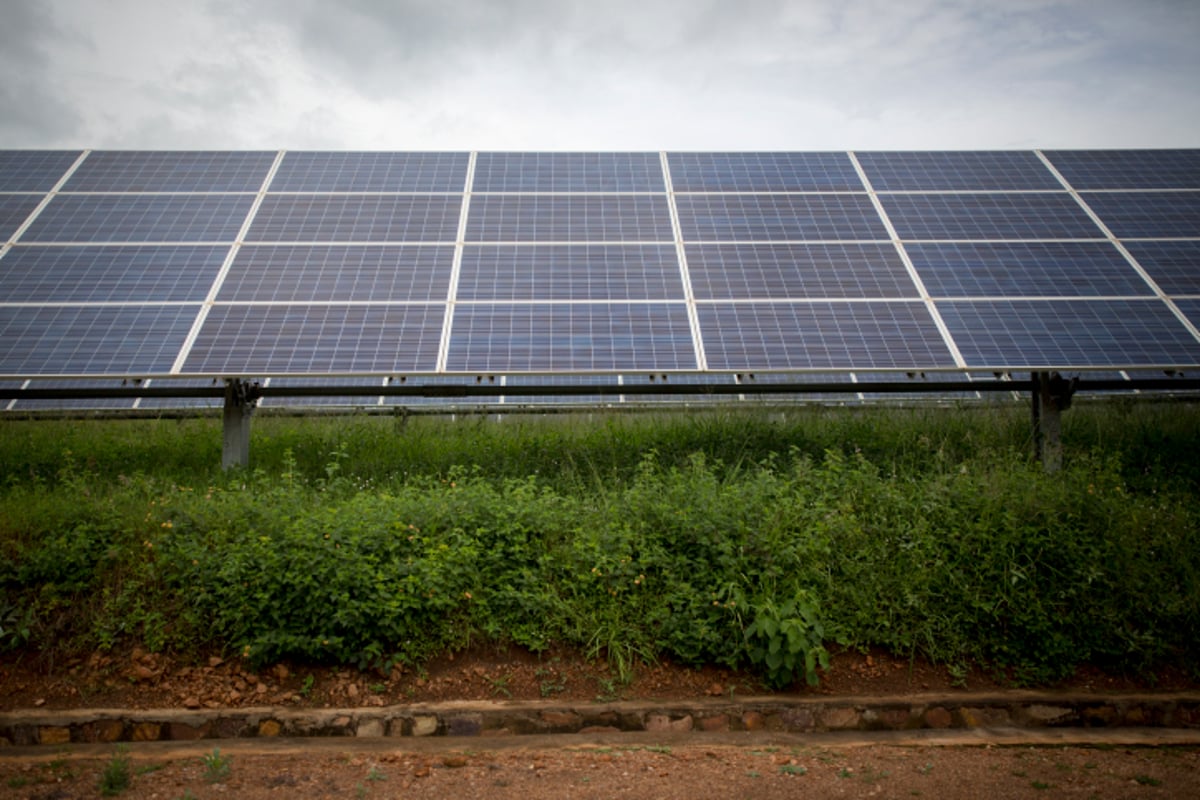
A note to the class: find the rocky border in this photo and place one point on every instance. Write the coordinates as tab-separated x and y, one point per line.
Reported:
475	719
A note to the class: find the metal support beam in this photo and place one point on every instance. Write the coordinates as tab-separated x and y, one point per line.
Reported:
240	398
1051	396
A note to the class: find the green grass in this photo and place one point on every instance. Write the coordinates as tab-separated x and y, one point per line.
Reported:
745	539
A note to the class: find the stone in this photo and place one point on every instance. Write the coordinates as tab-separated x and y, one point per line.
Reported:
797	719
352	690
454	762
662	722
146	732
1043	713
840	719
181	731
753	721
713	724
269	728
424	725
937	717
54	735
600	729
106	731
191	702
369	728
464	725
561	721
985	717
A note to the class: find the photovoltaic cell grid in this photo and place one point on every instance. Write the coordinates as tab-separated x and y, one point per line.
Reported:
542	337
80	340
988	216
763	172
140	218
302	171
34	170
570	272
159	171
821	335
123	274
779	271
1148	215
956	171
316	339
1174	266
569	218
1069	333
781	217
338	273
1025	269
1128	169
568	172
356	218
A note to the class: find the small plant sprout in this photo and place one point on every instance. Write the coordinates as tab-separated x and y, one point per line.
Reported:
216	766
116	776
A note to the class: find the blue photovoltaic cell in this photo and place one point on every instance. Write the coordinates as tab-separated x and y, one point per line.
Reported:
559	218
1029	269
140	218
580	337
364	218
763	172
1063	334
821	335
570	272
313	339
993	170
33	170
756	217
92	340
1174	266
371	172
14	209
109	274
1191	310
1128	169
1147	215
291	273
988	216
783	271
171	171
568	172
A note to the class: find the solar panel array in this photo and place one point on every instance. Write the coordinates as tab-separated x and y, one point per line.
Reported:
593	267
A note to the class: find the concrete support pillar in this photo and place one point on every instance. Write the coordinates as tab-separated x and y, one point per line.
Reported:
239	403
1051	396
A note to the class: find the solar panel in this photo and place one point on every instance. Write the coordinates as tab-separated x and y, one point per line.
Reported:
356	218
357	401
1068	333
997	170
1190	309
570	272
14	210
304	171
170	171
821	336
272	340
1174	266
559	380
760	217
140	218
570	337
1128	169
1148	215
780	271
569	218
988	216
338	273
568	172
77	403
1029	269
89	274
34	170
92	340
763	172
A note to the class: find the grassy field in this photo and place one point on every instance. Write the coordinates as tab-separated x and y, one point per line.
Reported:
747	538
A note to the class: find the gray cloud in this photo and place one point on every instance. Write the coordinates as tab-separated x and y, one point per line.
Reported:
628	74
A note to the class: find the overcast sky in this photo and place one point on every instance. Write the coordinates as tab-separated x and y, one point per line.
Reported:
599	74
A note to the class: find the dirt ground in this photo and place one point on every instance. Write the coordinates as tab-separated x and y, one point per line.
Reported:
638	767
